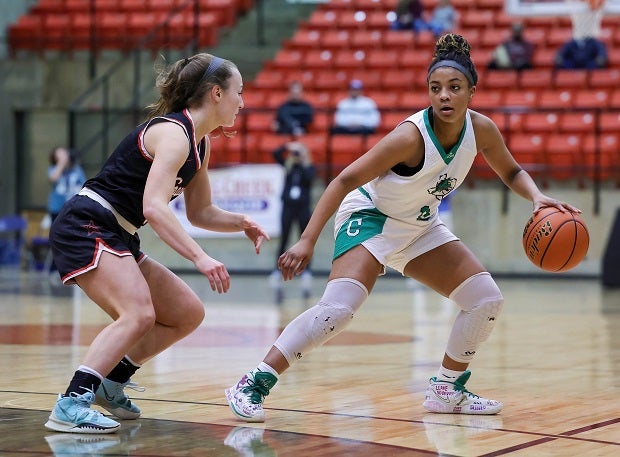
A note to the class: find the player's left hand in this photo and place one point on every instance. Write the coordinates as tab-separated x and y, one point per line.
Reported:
255	233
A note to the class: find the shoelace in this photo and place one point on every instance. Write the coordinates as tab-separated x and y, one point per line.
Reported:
256	391
134	386
117	389
461	388
85	400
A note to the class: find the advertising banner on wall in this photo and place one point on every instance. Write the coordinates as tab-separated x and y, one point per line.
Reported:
253	190
559	7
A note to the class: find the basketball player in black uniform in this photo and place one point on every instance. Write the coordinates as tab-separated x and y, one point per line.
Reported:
95	242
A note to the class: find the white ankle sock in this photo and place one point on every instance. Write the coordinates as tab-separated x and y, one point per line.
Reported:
448	375
265	367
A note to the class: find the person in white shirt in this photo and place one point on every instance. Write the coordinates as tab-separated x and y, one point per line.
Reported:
356	114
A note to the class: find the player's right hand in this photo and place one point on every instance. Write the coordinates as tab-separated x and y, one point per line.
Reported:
216	273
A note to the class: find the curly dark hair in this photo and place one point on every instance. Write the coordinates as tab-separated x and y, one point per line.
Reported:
452	46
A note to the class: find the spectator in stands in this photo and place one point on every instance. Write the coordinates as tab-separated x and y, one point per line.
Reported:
515	53
409	16
295	115
588	52
587	18
356	114
300	172
443	19
66	177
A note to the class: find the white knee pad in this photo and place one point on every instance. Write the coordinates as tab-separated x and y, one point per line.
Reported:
481	302
341	300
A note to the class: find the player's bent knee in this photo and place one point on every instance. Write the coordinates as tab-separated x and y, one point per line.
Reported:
341	300
480	321
481	302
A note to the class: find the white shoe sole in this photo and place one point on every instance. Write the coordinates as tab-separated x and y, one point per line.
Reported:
69	427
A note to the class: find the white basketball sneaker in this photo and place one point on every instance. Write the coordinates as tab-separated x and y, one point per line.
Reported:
453	398
246	397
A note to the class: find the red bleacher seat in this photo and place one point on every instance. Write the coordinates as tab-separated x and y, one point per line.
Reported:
268	79
589	98
330	80
477	18
335	39
544	57
351	19
305	39
521	98
500	80
564	156
381	59
390	119
267	143
536	78
614	99
288	58
610	122
321	122
344	149
372	79
318	59
321	19
366	39
491	38
377	19
398	39
601	156
319	99
398	80
604	78
507	122
385	100
317	144
487	99
349	59
527	149
259	121
576	122
413	101
570	79
555	99
540	122
242	147
415	59
557	36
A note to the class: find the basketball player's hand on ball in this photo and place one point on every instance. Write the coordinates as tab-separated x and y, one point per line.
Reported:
254	232
545	201
216	273
295	259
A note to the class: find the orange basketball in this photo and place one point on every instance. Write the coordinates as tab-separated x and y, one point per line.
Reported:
554	240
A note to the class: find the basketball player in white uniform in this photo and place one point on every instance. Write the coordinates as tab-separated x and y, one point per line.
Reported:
387	215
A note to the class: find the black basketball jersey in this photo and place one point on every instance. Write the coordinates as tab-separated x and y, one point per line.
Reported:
122	178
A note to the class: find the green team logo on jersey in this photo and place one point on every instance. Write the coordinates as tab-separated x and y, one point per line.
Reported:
443	187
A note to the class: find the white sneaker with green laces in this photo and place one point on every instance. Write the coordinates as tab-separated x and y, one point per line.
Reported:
246	397
453	398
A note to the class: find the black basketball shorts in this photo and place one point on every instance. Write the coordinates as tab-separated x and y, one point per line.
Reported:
82	231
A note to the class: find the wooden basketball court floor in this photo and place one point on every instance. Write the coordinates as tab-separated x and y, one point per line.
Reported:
553	359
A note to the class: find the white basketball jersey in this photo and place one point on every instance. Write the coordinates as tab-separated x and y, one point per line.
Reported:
415	199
